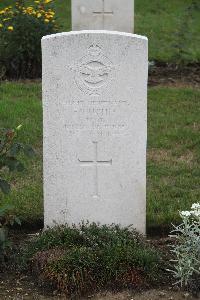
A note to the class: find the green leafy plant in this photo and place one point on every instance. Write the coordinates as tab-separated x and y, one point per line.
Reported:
7	218
186	250
76	260
10	150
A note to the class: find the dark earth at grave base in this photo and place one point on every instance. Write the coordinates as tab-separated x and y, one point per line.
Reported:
170	75
22	287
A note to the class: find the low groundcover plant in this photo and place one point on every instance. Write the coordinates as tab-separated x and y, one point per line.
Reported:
186	250
78	260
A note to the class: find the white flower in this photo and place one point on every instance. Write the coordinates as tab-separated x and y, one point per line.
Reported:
196	210
196	213
185	213
195	206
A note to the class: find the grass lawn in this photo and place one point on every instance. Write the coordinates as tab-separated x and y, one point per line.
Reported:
171	26
173	150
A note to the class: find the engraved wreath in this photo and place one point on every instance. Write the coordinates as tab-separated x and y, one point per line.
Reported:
93	71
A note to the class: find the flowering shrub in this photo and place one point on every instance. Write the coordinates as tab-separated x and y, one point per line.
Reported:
21	30
187	248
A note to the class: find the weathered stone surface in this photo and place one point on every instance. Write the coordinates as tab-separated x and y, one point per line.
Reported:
94	103
103	14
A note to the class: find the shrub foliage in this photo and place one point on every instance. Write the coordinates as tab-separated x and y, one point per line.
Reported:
82	259
186	250
21	30
10	150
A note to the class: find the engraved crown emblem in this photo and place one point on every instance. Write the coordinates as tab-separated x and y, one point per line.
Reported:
94	71
94	50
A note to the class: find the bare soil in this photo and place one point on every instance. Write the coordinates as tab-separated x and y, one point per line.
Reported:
175	76
147	295
21	287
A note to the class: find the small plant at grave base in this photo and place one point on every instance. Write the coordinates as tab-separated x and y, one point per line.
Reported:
9	152
186	250
78	260
21	28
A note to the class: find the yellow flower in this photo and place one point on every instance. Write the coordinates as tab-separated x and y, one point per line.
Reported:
46	20
1	25
37	2
47	1
48	16
38	15
10	28
29	9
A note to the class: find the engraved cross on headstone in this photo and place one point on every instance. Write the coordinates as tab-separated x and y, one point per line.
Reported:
103	13
96	163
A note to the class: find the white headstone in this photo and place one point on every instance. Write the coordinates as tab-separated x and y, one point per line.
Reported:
103	14
95	128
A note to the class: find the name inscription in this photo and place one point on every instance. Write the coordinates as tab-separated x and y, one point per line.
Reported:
101	120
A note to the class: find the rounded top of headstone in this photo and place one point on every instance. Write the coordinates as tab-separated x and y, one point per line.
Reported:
83	32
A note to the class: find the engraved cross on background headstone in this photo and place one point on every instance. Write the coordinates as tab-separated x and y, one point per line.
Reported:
96	163
103	13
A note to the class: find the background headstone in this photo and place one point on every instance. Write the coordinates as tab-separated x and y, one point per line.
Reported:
95	128
103	14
